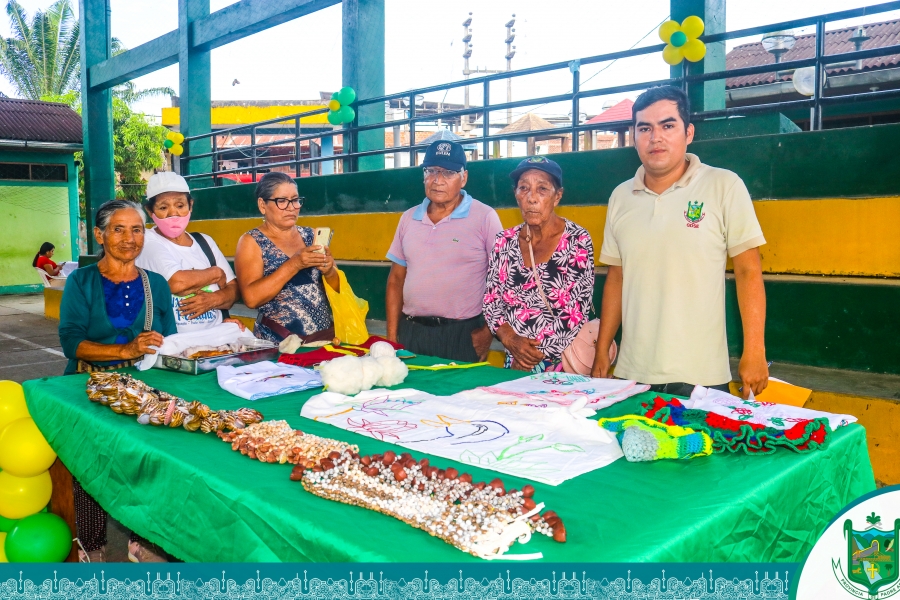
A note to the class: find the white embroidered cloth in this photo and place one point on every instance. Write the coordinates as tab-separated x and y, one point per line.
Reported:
583	395
548	445
265	379
769	414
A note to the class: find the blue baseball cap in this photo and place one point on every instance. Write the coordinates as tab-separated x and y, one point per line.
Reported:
445	154
541	164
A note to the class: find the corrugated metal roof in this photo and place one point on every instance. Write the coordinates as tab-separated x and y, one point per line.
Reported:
838	41
35	121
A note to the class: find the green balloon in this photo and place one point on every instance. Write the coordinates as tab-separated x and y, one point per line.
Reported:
334	117
43	537
168	143
347	95
7	524
347	114
334	96
678	39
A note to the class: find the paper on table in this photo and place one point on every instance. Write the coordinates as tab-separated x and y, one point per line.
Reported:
547	445
782	392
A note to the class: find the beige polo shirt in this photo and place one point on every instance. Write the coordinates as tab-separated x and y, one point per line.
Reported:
672	249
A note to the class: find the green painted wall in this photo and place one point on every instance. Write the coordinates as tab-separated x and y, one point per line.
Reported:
834	163
32	213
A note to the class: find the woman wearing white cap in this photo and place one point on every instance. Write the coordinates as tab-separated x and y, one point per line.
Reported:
201	280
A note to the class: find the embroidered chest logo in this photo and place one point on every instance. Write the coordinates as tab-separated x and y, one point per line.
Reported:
872	559
694	214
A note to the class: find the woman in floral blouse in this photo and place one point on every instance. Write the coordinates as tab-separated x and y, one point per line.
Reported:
538	298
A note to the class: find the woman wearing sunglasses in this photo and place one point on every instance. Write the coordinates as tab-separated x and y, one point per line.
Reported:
280	272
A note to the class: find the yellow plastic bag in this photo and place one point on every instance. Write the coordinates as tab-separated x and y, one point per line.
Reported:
349	312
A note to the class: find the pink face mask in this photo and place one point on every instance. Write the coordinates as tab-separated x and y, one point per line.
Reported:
171	227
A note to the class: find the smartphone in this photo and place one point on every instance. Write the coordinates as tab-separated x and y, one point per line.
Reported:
323	238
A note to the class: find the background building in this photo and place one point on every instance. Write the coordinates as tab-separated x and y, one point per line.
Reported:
38	187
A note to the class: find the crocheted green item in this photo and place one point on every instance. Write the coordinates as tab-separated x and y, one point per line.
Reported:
730	435
644	439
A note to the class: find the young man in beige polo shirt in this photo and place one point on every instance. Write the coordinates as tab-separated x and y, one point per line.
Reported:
668	233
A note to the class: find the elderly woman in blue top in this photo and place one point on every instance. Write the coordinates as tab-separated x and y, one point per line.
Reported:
102	326
102	315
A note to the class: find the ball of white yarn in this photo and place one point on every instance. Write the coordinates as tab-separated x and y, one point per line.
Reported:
379	349
394	371
372	372
343	375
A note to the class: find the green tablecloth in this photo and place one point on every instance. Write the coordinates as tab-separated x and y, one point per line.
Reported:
201	501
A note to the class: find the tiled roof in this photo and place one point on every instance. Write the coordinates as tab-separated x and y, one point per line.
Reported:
35	121
836	42
617	112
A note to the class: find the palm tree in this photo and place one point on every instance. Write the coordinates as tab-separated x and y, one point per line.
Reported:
42	57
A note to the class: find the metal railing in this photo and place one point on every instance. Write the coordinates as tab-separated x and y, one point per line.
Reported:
349	134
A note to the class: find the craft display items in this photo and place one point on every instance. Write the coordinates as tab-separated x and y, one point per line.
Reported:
351	375
484	520
540	444
732	435
129	396
278	442
644	439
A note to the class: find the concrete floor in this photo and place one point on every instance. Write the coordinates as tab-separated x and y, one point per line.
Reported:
29	342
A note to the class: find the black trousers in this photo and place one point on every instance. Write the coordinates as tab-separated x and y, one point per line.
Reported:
452	341
683	389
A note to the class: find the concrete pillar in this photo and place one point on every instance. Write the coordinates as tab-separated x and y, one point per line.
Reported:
709	95
363	70
194	86
96	113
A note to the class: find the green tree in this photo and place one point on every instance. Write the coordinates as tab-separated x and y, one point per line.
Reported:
42	57
137	143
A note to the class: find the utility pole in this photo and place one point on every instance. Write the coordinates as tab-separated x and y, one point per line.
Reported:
467	53
465	122
510	52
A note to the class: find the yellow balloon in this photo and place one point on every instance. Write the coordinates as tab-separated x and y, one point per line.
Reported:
23	496
672	55
2	549
667	29
334	105
176	138
177	149
692	27
694	50
12	403
23	450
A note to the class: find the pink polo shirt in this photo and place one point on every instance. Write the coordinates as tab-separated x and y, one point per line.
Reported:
446	262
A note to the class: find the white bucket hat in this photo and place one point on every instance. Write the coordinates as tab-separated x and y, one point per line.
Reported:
166	181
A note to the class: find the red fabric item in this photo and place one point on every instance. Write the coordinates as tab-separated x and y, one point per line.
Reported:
43	260
320	355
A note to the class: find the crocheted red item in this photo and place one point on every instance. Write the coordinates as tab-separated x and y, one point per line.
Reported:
733	435
320	355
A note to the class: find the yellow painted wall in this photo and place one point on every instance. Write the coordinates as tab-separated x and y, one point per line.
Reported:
244	115
855	237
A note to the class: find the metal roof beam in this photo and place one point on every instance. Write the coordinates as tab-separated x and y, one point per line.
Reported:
222	27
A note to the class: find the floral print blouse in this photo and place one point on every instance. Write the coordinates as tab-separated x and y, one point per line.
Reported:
512	295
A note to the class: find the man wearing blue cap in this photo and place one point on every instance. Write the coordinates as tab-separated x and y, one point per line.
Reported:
440	260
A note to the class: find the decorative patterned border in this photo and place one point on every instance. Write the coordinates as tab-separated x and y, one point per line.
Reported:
282	582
